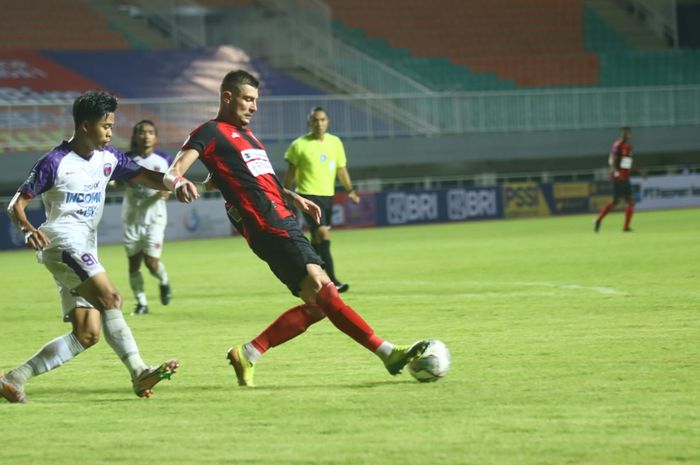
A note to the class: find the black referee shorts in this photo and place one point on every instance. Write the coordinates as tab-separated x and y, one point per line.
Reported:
325	202
286	255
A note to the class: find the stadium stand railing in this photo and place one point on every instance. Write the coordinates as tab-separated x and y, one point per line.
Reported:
298	34
39	126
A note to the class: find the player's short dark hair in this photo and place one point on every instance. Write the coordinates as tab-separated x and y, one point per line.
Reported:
93	105
234	80
314	110
137	128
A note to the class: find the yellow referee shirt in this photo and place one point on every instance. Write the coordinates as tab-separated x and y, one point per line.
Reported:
316	163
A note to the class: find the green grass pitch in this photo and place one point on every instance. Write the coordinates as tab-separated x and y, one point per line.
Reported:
568	347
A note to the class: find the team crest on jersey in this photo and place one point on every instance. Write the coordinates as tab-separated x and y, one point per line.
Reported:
324	157
156	168
235	135
107	169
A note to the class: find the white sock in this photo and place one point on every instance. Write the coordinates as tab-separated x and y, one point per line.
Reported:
120	339
54	354
251	353
136	283
384	350
161	273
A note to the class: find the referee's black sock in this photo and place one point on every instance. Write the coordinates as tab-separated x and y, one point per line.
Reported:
325	252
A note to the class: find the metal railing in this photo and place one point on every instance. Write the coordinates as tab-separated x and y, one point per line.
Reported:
38	126
298	35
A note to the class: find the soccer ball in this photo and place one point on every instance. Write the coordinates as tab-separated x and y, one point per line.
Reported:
433	364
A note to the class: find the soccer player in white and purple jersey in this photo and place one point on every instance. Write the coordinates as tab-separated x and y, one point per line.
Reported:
145	216
71	180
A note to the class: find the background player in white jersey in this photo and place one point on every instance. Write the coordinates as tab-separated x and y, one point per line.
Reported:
144	216
71	180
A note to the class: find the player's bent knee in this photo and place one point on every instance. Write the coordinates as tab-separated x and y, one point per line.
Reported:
315	312
111	300
88	338
152	264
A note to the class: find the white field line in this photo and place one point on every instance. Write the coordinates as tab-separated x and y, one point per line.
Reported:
609	291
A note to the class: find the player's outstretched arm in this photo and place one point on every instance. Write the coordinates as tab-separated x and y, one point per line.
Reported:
156	180
174	179
33	237
305	205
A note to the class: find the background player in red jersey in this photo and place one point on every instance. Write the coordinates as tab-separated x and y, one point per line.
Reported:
620	161
261	209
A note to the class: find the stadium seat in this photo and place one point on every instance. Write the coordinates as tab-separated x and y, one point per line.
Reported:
62	25
532	43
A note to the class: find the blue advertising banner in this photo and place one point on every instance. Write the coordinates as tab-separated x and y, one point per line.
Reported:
436	206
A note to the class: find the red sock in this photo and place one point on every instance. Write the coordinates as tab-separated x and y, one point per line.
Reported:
604	211
287	326
345	318
629	211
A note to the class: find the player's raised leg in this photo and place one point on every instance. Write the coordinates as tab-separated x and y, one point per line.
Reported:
287	326
352	324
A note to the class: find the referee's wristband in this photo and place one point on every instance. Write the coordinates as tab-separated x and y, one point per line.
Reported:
352	190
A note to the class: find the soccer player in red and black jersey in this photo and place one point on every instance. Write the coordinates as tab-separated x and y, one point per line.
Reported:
262	211
620	161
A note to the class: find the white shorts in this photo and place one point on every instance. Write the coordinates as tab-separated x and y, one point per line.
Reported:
146	238
70	268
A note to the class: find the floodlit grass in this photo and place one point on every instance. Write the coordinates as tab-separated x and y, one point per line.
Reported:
568	348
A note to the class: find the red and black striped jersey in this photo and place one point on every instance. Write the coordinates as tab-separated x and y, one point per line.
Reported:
241	170
623	151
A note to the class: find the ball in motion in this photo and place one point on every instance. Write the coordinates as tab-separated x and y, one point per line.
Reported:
433	364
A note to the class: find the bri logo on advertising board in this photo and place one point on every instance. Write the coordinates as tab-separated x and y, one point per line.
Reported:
463	204
405	207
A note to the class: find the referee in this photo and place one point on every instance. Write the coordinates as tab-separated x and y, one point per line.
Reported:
314	161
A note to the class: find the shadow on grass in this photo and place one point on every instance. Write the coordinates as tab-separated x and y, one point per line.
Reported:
59	395
293	387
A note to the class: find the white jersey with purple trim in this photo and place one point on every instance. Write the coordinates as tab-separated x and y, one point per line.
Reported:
140	206
73	191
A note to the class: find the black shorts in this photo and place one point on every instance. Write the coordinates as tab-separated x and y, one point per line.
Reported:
287	256
325	202
622	190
